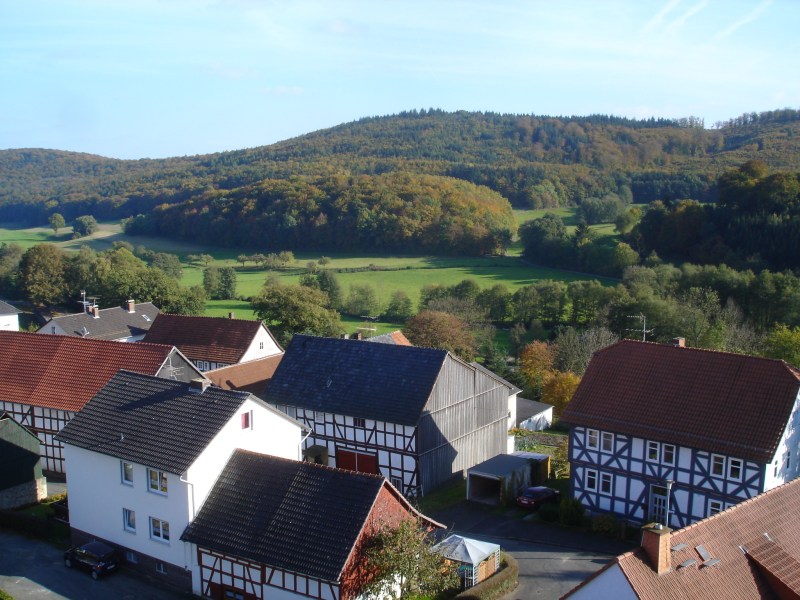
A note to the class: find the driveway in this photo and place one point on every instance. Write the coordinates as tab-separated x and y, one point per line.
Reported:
32	569
551	560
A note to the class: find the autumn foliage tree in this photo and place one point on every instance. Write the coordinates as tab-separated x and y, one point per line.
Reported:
434	329
558	391
536	364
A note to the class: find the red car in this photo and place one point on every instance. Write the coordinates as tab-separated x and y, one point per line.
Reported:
534	497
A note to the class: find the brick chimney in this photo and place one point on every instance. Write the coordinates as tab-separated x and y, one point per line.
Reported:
679	342
131	306
198	385
655	542
230	315
357	336
96	311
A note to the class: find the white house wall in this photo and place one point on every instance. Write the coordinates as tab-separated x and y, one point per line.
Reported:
262	346
611	584
785	465
9	322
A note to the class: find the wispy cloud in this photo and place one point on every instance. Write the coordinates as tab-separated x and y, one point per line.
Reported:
693	10
748	18
660	15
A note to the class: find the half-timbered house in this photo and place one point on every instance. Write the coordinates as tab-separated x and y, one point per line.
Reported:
418	416
276	528
46	379
214	342
143	455
673	434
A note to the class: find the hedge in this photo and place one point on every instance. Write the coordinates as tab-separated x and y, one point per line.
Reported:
498	585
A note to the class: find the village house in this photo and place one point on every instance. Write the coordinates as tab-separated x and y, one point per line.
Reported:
145	452
750	551
214	342
298	529
46	379
417	416
21	478
128	324
9	317
673	434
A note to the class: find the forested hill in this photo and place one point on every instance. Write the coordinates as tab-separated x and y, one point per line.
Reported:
532	161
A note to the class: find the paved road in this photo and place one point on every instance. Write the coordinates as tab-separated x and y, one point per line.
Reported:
33	570
551	560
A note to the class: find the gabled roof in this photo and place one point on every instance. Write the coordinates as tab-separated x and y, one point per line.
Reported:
717	401
755	541
157	422
396	338
250	376
112	324
214	339
287	514
62	372
349	377
7	309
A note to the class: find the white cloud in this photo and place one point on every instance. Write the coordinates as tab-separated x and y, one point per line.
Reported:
660	15
748	18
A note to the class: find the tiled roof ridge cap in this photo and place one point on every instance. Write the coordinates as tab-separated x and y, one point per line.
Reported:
79	340
210	318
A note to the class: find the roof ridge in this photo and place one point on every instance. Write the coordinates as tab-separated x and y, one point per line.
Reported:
210	318
312	465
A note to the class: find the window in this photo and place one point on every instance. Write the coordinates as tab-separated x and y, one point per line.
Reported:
606	483
129	520
717	465
735	469
607	441
359	422
53	330
161	567
591	438
157	481
159	530
398	483
247	420
652	451
668	454
131	557
591	480
714	507
260	345
126	469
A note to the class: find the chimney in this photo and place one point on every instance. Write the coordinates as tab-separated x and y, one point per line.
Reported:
679	342
96	311
230	315
131	306
356	336
655	542
198	385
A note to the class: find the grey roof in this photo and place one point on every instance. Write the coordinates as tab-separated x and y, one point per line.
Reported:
348	377
500	465
7	309
152	421
291	515
113	323
527	408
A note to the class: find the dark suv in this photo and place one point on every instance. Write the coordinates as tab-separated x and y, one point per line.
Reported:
96	557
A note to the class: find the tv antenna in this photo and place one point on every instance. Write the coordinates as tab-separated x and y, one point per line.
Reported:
643	329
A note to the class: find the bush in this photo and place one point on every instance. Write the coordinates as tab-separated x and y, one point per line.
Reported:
498	585
605	524
570	512
549	513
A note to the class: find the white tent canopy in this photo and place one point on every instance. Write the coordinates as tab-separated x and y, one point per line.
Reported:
465	550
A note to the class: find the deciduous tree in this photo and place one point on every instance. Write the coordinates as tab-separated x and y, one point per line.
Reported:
56	221
290	309
435	329
558	391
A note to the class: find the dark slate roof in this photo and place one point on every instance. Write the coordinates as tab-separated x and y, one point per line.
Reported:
500	465
717	401
349	377
7	309
112	324
152	421
527	408
287	514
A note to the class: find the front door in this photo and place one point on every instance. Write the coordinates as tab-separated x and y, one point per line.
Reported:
658	504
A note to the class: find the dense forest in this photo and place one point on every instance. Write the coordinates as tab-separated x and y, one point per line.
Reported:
532	161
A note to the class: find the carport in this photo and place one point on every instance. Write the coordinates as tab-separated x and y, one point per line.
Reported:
498	480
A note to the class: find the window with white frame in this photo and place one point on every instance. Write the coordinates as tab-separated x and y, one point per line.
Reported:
359	422
592	439
157	481
159	530
652	451
717	465
591	480
260	345
161	567
606	483
735	469
607	441
126	472
714	507
397	482
129	520
131	557
668	454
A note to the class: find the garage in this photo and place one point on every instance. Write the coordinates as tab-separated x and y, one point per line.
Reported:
499	480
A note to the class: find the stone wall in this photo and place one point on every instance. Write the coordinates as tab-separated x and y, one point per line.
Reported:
23	494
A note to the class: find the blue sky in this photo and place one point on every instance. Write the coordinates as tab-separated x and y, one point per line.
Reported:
157	78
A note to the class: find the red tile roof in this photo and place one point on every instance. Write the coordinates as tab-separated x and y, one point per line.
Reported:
764	528
65	372
215	339
728	403
250	376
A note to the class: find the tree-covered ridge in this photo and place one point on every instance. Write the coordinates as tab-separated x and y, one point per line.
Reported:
534	161
390	212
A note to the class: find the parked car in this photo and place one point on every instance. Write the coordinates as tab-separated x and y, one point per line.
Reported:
534	497
96	557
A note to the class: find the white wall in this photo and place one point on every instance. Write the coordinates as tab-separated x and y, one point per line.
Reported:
255	351
611	584
788	451
9	322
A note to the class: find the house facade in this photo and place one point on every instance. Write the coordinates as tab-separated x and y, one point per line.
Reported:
282	545
121	324
417	416
21	478
671	434
144	454
46	379
9	317
214	342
